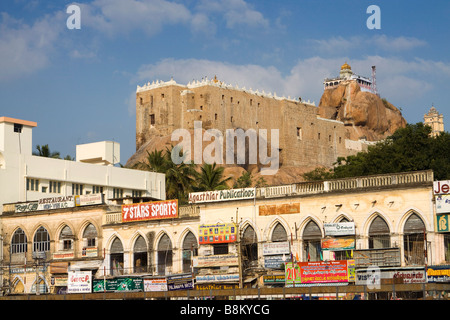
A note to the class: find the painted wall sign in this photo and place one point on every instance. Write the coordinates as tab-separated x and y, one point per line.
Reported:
222	195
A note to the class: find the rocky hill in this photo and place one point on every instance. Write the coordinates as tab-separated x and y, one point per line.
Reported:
365	114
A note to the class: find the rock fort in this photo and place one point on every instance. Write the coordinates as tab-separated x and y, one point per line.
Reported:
346	121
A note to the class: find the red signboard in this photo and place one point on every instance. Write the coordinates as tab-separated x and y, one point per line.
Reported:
323	272
150	210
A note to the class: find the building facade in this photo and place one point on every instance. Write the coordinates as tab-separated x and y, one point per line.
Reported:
237	237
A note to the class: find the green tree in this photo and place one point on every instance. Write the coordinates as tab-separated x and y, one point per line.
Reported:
246	180
44	151
409	149
211	178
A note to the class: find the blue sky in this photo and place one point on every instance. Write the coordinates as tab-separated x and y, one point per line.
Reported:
79	85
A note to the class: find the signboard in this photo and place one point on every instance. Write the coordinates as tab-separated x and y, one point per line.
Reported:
319	272
438	273
275	262
218	286
217	233
443	203
79	282
56	203
442	223
46	204
156	210
118	284
272	248
63	255
338	244
217	278
222	195
220	260
155	284
387	257
405	275
339	229
88	199
180	282
277	209
273	279
441	187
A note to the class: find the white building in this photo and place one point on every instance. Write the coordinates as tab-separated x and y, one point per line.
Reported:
26	177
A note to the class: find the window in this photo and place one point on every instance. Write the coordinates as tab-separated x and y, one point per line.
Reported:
117	193
41	241
66	238
116	257
97	189
215	116
299	133
18	127
231	119
19	242
379	234
32	184
279	233
318	136
77	189
162	95
140	255
136	193
164	254
413	240
221	248
90	236
190	248
312	242
141	101
250	247
55	187
152	119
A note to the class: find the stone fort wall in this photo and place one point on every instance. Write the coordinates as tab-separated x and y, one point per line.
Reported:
304	138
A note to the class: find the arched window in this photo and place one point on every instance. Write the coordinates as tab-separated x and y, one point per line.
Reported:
312	237
249	247
41	241
164	254
90	236
379	234
279	233
116	257
66	238
140	255
19	242
413	240
190	248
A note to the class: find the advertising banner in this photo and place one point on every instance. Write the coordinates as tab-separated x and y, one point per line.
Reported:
156	210
119	284
442	223
79	282
217	278
441	187
406	276
217	233
317	272
88	199
339	229
56	203
276	248
155	284
220	260
443	203
338	244
438	273
180	282
222	195
275	261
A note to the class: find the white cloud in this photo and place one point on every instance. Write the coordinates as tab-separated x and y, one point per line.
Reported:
26	48
397	80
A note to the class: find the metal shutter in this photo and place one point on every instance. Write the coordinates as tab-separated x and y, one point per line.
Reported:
189	241
249	236
279	233
116	246
414	225
164	243
140	245
312	231
378	226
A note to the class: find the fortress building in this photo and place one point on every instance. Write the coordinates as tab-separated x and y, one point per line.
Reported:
435	121
307	137
346	74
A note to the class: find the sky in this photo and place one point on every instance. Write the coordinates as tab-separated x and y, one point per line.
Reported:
79	84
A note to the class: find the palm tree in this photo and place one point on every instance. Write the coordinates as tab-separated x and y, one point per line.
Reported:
180	178
44	151
211	178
